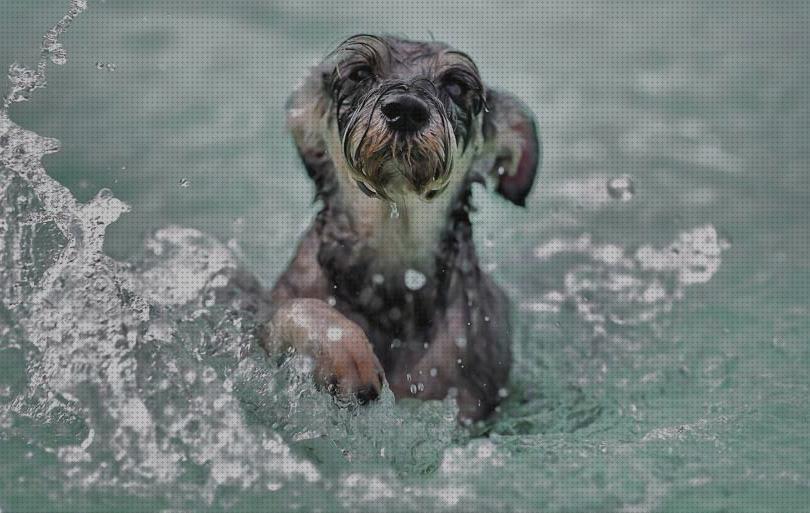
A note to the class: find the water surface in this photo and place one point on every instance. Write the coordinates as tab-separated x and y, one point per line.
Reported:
662	350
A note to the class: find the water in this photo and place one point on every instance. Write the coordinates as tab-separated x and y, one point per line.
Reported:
662	342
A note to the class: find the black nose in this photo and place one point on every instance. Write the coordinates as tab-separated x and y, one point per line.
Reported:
405	112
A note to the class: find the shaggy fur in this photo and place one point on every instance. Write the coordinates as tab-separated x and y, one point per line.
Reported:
385	285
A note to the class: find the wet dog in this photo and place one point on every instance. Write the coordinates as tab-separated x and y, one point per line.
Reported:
385	285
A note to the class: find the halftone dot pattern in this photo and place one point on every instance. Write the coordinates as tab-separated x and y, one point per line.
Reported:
658	276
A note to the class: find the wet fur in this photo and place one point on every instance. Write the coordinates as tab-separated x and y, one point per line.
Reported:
453	334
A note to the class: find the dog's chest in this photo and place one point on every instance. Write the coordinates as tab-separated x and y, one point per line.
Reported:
402	235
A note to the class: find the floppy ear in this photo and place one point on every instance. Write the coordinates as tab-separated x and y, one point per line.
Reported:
512	145
306	109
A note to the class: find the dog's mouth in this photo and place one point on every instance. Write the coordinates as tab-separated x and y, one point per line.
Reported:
386	163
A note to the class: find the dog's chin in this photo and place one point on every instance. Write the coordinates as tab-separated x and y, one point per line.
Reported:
394	180
388	165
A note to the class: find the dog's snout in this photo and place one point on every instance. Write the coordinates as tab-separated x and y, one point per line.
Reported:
405	112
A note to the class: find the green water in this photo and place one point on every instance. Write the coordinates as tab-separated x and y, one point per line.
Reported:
691	398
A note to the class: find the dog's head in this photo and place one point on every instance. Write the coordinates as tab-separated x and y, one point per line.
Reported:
406	117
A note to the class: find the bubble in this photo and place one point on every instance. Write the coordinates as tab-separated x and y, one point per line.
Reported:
413	389
414	280
621	188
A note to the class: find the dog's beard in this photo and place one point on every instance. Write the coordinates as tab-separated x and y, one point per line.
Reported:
381	159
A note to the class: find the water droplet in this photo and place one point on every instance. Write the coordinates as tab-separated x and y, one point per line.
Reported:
184	183
414	280
334	334
104	194
209	375
58	55
413	390
303	364
394	210
378	279
420	386
461	342
621	188
434	372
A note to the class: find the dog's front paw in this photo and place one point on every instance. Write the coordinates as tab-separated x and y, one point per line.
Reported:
346	365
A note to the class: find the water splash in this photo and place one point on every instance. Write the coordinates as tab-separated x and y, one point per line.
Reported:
151	382
92	337
24	81
621	188
108	66
618	289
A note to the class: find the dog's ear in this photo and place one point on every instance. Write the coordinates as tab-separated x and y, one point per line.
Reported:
306	109
511	145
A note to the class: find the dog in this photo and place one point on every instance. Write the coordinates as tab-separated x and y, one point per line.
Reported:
385	285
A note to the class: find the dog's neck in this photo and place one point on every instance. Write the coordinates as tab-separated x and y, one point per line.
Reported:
362	240
404	233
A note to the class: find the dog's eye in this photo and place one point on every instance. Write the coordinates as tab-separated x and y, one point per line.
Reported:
455	89
359	74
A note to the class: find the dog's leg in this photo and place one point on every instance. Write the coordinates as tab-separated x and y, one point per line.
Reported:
469	354
345	362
